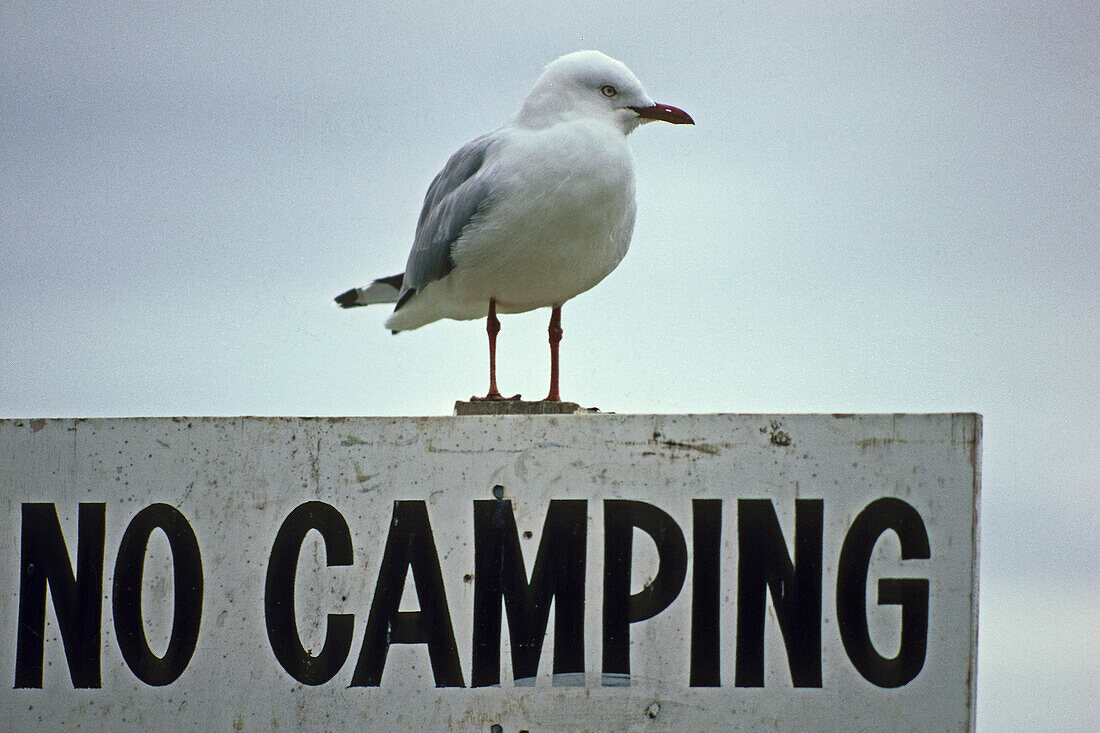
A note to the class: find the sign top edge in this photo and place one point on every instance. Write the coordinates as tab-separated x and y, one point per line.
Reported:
578	416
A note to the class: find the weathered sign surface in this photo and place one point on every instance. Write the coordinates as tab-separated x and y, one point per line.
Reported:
590	572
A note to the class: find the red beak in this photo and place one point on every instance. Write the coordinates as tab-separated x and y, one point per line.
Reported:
665	113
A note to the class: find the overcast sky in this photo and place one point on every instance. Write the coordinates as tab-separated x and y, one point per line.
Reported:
880	209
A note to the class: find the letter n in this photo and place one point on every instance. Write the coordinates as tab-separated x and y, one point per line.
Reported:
763	564
77	599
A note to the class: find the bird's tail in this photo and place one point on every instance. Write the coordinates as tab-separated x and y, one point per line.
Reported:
382	290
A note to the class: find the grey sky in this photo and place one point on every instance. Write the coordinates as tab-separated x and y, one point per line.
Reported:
880	209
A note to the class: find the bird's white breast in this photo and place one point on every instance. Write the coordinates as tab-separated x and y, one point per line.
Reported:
560	219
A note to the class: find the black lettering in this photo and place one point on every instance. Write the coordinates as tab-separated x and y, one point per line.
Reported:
126	595
911	594
410	544
282	568
706	540
558	576
764	564
44	560
620	608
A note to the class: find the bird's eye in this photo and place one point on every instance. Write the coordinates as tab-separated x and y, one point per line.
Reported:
608	91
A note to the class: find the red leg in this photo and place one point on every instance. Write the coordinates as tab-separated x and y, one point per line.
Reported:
492	327
555	338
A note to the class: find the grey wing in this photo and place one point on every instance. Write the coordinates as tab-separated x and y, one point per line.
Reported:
456	196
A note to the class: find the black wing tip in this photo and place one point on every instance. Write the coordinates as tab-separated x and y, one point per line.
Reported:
348	298
405	297
394	281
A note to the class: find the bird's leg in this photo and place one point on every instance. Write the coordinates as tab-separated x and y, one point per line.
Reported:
492	327
555	338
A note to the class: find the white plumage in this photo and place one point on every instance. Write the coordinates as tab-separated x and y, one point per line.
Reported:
533	213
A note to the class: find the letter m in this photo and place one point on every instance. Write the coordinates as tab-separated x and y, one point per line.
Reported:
558	575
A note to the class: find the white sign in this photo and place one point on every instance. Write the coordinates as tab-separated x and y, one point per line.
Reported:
589	572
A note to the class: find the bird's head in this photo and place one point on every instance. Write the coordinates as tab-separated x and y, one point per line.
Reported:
590	84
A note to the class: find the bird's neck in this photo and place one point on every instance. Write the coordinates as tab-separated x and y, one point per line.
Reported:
542	112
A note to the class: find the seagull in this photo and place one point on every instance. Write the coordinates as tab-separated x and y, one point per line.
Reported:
529	215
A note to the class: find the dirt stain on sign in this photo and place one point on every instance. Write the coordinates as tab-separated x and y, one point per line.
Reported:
708	448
